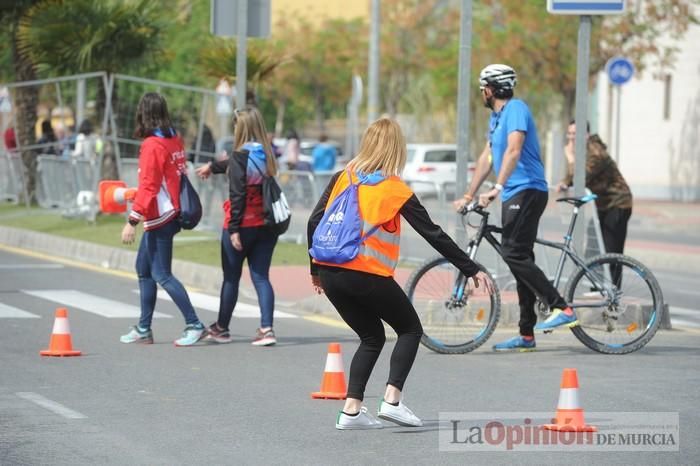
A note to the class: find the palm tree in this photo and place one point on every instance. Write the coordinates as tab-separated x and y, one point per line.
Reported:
76	36
25	98
218	60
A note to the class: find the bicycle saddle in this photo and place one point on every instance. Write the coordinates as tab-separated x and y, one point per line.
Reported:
578	201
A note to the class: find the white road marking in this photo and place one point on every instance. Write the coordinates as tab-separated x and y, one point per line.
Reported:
54	407
90	303
30	266
684	323
10	312
683	311
688	317
211	303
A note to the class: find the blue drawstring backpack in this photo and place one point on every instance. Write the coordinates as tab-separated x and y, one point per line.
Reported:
338	236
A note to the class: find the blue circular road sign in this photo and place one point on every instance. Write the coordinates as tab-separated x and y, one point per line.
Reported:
620	70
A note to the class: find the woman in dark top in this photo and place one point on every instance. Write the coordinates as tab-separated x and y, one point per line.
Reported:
244	234
363	289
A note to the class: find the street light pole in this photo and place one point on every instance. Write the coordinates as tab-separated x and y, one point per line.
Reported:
373	74
465	56
241	53
582	66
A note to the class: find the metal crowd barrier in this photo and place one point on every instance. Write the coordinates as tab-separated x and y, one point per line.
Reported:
67	184
11	177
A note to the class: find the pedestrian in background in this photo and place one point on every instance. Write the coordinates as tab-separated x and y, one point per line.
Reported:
513	152
324	155
603	178
363	290
48	139
244	234
162	160
292	150
86	143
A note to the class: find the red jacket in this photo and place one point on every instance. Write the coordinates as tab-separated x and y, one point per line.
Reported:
161	162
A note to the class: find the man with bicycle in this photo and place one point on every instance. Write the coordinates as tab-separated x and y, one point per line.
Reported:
513	151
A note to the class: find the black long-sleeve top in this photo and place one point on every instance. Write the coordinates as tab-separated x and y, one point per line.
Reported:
245	195
416	215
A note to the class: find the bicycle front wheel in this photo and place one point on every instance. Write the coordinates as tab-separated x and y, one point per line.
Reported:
618	303
453	322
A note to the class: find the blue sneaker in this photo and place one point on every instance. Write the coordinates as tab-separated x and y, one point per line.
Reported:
557	319
192	334
516	344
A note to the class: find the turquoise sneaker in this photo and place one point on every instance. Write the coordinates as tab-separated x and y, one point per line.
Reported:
137	335
192	334
516	344
557	319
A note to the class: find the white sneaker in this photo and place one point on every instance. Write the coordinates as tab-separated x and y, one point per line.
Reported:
363	420
400	414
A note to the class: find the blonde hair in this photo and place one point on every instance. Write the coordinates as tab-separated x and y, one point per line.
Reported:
383	148
248	126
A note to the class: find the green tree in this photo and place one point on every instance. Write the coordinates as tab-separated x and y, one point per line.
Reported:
25	98
74	36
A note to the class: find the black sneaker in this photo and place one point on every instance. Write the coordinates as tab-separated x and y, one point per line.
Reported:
217	334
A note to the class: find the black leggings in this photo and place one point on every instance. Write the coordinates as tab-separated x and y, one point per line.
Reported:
363	300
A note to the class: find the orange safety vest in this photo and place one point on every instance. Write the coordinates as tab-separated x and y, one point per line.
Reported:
379	205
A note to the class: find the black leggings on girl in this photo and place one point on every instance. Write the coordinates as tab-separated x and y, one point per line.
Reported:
363	300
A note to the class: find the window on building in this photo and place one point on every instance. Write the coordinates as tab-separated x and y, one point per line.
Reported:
667	97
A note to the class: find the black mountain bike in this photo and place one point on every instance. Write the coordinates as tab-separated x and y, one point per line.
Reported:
617	299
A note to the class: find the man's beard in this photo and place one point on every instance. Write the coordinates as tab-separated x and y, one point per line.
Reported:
488	102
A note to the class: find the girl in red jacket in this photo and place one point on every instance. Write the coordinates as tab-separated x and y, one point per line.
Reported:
162	160
244	235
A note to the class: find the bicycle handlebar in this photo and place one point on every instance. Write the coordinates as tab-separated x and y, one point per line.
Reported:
471	207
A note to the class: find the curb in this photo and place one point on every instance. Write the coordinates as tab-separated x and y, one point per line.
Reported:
203	277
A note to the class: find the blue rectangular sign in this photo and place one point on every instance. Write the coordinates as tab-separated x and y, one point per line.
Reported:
590	7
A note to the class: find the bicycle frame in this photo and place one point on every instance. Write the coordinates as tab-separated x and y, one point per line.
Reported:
486	231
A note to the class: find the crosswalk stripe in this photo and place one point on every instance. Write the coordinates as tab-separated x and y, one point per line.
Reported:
90	303
10	312
683	311
211	303
684	323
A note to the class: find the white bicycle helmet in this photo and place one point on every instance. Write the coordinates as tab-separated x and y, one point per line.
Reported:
498	77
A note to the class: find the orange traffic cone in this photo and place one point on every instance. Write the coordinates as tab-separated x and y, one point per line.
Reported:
114	195
60	343
569	412
333	383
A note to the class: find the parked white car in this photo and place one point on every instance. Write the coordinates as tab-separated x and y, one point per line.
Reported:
431	167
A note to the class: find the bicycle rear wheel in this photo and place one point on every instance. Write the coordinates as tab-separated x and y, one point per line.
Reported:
452	325
629	318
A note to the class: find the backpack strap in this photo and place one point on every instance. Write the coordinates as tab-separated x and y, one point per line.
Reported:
258	168
374	228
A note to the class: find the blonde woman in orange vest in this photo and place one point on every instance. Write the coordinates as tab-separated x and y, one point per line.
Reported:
363	290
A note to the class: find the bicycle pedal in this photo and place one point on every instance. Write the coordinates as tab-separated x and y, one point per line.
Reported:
549	331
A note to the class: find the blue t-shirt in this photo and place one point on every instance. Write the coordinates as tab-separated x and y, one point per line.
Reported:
529	172
324	157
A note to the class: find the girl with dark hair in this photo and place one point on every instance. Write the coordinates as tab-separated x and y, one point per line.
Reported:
244	235
162	159
47	137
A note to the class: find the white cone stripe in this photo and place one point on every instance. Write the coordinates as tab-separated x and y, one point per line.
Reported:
568	399
104	307
11	312
334	362
60	326
211	303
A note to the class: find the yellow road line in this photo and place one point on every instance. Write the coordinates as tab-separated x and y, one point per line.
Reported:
328	321
69	262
